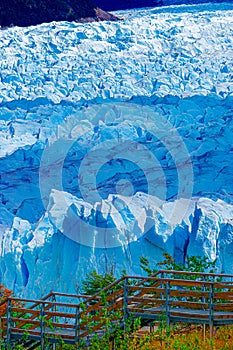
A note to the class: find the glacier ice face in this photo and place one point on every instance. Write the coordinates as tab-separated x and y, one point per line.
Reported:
50	250
115	142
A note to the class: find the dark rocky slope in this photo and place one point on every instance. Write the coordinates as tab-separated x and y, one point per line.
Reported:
31	12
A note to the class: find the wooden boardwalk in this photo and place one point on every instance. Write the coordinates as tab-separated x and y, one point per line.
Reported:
170	296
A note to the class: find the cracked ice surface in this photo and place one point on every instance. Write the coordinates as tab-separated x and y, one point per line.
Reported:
54	78
182	52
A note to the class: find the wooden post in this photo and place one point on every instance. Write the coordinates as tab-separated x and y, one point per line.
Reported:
54	309
204	332
42	328
77	324
126	312
162	285
211	310
203	288
8	324
167	302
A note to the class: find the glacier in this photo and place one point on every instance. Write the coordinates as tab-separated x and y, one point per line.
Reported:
115	143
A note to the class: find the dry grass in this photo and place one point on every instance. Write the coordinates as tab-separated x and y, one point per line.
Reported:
192	338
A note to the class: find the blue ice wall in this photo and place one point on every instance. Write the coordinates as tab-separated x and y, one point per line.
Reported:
115	143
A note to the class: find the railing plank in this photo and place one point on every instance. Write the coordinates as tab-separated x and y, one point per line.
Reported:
25	311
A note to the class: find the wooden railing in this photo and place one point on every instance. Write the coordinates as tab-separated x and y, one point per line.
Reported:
175	296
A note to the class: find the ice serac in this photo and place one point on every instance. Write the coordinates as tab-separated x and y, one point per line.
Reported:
115	143
51	251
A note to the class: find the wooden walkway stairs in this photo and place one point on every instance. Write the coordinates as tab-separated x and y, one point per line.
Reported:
173	296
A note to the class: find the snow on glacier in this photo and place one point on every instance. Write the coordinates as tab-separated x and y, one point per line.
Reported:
54	80
152	51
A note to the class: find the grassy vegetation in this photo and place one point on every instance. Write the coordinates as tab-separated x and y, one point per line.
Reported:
163	338
187	338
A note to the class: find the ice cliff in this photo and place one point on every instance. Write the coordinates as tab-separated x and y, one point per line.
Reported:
115	142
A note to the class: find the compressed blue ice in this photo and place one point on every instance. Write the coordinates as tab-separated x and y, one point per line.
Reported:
115	143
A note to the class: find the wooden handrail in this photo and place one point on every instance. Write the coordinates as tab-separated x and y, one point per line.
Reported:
78	296
149	295
174	272
42	302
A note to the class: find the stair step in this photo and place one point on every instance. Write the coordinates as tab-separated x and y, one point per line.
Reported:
31	345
